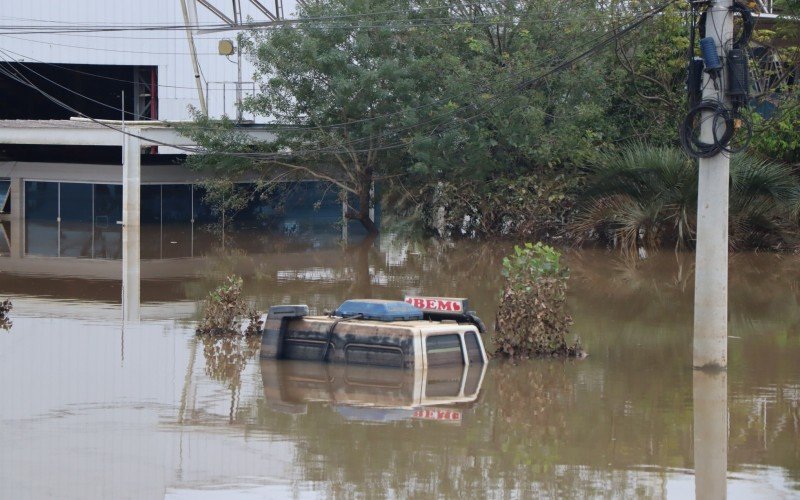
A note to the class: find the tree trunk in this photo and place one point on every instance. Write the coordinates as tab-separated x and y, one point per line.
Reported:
364	201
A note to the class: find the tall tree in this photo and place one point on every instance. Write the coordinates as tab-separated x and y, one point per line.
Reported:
347	83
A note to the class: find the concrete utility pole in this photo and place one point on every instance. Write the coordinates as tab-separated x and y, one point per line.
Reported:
711	274
710	398
131	229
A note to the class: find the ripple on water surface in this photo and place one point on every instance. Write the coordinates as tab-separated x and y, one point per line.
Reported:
111	408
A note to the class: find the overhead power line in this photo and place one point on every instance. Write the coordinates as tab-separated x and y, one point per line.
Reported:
604	40
411	18
509	79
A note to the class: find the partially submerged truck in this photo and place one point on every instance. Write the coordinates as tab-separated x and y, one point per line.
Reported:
416	333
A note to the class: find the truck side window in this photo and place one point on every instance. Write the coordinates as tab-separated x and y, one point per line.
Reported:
444	350
473	348
374	355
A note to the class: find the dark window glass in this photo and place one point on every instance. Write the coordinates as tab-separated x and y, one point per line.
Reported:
41	201
76	220
5	244
176	203
203	212
5	187
375	356
150	196
41	238
76	239
107	211
150	242
176	240
176	234
41	212
473	348
150	217
76	202
444	350
107	204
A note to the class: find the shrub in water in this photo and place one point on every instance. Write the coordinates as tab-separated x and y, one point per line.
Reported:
225	308
5	308
532	319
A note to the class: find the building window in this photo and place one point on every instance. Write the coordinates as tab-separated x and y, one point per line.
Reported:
41	218
75	228
5	188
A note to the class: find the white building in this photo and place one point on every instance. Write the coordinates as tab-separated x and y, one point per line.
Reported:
63	41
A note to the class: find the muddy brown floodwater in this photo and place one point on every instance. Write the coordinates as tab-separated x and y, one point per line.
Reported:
94	408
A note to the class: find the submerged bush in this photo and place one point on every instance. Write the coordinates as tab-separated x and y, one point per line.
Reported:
532	319
645	197
532	206
225	309
5	321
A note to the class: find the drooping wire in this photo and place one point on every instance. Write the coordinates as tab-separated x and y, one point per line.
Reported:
614	35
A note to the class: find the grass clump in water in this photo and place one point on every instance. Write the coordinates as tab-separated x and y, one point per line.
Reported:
5	321
532	320
225	309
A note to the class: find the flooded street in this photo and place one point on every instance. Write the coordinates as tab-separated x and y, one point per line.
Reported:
91	407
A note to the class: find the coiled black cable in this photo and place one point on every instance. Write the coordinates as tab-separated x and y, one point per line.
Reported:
690	129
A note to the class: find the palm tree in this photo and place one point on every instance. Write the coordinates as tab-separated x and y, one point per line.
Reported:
641	197
644	197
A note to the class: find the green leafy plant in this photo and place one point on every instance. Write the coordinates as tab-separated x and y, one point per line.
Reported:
531	262
778	137
225	309
532	319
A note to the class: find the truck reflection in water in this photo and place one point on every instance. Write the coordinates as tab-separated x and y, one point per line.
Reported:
372	394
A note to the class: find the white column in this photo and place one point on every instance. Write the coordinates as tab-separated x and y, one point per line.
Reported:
131	233
711	276
16	192
710	390
17	237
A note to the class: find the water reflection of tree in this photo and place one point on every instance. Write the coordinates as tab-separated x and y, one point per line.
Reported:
226	357
531	434
5	320
546	426
540	428
661	286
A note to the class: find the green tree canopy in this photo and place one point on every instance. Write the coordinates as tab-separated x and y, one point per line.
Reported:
347	84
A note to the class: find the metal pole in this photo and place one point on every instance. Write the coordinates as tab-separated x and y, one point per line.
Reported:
711	276
239	79
193	52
